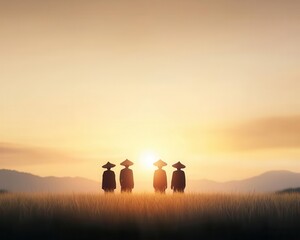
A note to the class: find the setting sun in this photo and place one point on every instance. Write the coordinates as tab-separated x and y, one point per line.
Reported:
212	84
147	159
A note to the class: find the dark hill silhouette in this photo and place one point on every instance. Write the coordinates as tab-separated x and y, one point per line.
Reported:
267	182
289	190
14	181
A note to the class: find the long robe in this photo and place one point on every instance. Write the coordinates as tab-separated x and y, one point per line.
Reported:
126	180
160	180
178	181
108	181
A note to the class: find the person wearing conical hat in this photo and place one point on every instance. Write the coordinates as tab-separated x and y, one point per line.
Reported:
108	178
126	177
160	177
178	178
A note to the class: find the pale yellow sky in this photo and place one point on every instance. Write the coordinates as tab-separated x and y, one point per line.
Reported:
214	84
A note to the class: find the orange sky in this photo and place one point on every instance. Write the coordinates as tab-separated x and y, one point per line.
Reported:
214	84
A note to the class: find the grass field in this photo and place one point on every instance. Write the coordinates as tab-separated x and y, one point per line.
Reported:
149	216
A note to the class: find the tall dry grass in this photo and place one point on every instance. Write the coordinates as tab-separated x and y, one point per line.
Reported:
150	216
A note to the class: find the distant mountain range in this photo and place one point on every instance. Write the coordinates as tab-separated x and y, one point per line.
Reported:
289	190
272	181
14	181
267	182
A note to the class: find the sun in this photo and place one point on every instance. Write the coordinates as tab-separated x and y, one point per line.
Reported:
147	159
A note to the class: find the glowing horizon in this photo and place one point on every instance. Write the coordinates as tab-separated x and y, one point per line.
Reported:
214	85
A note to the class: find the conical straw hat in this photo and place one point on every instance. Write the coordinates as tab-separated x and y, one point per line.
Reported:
160	163
126	163
178	165
108	165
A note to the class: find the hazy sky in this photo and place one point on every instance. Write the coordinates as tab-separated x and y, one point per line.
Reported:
214	84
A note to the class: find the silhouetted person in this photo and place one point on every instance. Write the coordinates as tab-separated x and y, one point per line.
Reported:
108	178
160	177
126	177
178	178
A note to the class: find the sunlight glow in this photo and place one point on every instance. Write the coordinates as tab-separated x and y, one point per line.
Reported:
147	159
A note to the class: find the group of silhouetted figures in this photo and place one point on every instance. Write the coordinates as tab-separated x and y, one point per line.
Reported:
159	180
